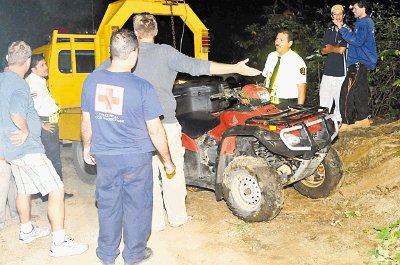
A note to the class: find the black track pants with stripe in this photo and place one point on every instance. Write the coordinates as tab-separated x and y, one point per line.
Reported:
354	95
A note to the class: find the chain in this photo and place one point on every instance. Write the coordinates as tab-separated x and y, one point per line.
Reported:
172	26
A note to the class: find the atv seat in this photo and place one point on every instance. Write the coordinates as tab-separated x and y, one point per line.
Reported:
196	123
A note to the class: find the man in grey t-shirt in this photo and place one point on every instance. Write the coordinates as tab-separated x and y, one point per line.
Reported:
159	64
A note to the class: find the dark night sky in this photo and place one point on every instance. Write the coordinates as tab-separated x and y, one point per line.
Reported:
32	20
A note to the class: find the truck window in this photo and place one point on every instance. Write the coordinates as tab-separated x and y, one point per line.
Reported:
64	62
84	61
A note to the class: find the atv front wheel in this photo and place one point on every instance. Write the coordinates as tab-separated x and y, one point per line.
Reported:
252	190
326	180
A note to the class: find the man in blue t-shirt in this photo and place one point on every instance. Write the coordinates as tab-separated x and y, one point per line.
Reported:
32	170
334	47
120	125
362	56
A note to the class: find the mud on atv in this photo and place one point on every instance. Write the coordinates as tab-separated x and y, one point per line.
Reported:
246	150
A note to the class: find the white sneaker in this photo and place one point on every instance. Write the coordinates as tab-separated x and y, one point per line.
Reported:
36	232
67	248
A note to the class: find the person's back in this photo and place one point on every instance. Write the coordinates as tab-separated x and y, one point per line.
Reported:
120	128
119	122
159	64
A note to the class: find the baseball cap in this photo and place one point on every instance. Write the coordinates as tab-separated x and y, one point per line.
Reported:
337	7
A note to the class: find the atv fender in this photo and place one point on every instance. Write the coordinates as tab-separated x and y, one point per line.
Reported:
227	152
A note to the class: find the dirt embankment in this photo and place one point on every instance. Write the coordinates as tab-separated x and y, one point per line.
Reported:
335	230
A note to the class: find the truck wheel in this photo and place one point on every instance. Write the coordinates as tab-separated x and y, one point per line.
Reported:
326	180
252	190
87	173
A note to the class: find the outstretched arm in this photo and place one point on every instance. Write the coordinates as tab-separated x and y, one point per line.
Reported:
238	68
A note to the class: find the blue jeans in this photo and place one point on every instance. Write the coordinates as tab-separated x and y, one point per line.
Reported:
124	194
51	145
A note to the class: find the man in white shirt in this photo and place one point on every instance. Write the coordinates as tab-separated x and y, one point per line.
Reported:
285	73
47	109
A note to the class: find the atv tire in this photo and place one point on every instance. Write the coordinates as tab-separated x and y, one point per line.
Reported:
252	190
87	173
326	180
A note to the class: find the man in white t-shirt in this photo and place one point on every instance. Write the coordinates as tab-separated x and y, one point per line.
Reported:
285	73
47	109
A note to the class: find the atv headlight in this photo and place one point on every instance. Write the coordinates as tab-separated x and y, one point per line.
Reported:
293	140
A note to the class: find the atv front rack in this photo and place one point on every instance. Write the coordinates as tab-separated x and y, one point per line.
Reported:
294	126
288	117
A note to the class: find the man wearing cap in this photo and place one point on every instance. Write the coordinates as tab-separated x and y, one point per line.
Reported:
334	47
362	56
285	73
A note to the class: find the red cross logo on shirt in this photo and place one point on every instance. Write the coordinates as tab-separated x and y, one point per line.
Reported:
109	99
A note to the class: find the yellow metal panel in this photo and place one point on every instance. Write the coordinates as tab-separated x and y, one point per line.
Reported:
120	11
70	124
66	88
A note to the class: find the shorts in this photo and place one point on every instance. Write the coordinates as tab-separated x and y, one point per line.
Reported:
35	173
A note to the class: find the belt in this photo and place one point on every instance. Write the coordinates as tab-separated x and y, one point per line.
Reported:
276	100
52	118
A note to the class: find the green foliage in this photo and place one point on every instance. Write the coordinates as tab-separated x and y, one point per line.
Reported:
384	81
388	250
308	32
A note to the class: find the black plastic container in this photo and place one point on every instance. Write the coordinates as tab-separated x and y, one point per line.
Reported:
191	97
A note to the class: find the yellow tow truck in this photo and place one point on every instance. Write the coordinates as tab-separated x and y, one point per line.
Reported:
71	57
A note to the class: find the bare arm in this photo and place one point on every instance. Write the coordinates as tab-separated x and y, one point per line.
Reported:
333	49
19	137
302	93
86	133
238	68
159	139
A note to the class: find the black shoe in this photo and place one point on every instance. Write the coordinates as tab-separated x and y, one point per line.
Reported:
45	198
68	195
148	253
36	196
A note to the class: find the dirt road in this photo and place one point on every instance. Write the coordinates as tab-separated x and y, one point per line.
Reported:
336	230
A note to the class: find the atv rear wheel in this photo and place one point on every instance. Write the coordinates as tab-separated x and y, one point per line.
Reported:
252	190
326	180
87	173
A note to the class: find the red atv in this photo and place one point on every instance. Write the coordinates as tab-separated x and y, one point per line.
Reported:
246	150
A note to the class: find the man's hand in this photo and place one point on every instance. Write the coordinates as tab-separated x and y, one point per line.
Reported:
338	23
89	159
243	69
333	49
18	137
169	168
47	126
